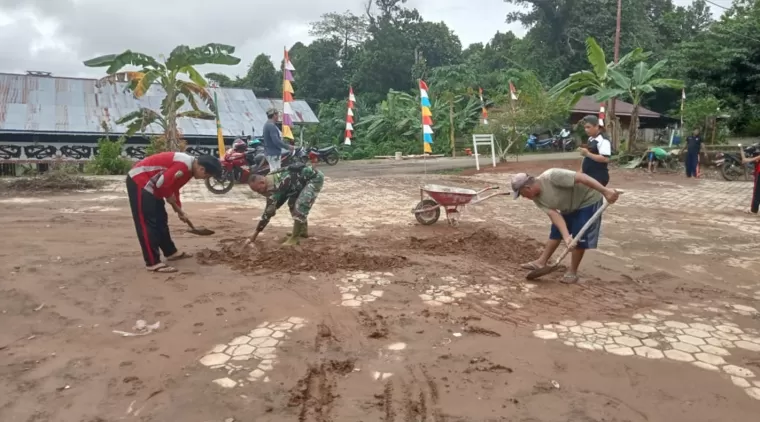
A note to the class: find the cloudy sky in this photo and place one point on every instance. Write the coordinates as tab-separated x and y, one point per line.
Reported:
57	35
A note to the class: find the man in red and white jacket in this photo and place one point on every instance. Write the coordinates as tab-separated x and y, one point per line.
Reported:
152	180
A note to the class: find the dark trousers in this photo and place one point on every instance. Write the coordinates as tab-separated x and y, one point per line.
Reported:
151	223
756	195
692	161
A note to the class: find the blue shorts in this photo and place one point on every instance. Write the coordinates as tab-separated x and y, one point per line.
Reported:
575	222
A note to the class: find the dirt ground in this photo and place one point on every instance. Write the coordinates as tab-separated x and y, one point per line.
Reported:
376	318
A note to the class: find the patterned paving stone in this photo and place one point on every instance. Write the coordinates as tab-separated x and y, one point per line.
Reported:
627	341
692	340
649	352
711	359
679	356
259	344
746	345
738	371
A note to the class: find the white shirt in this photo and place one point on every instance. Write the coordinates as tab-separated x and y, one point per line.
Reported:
603	145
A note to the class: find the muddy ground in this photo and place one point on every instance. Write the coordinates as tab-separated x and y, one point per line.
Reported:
375	318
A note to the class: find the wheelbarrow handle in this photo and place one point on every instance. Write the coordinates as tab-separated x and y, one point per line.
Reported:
486	189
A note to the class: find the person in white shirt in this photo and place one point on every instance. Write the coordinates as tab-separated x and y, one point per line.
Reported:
596	155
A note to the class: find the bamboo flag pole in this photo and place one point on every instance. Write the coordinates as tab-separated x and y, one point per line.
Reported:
219	135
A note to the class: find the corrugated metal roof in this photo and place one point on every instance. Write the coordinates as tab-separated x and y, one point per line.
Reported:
304	114
590	106
54	105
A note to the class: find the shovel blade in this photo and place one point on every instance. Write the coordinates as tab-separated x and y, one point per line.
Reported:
201	231
540	272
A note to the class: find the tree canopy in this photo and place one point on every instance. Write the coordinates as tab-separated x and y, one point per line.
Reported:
383	51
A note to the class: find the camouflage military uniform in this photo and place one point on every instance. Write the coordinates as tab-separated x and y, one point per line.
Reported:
299	186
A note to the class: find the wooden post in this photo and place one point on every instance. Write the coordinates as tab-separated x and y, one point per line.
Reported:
715	124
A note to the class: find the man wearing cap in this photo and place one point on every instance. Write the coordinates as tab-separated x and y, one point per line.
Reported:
570	199
273	144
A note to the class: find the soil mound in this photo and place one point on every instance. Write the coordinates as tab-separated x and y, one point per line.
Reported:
485	244
312	258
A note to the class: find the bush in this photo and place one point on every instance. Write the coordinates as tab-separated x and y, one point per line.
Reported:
109	160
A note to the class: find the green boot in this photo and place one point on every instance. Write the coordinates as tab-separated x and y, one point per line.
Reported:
304	231
295	236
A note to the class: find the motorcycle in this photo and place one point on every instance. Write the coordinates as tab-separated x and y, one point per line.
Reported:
238	166
730	164
563	141
533	144
328	155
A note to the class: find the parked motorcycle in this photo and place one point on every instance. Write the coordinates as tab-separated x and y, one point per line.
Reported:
730	164
533	144
238	164
328	155
563	141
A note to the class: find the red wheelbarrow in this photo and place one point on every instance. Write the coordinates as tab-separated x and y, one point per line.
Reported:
451	199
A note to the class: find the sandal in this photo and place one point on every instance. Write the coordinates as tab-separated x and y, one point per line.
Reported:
570	278
530	266
161	268
179	255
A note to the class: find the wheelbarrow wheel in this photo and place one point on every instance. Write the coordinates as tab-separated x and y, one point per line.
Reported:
428	217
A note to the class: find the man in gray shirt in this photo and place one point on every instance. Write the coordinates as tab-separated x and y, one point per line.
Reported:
273	144
570	200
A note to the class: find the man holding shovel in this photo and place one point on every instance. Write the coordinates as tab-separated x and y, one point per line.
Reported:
298	185
152	182
570	199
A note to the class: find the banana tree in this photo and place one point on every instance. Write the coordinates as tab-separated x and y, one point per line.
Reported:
396	124
642	81
452	84
169	74
601	79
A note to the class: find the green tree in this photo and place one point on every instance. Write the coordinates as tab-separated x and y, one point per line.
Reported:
262	78
348	29
534	109
396	126
452	84
643	81
604	81
319	76
181	62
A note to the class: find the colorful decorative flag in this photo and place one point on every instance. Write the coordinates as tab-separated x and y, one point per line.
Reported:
427	118
601	114
350	116
287	97
512	91
483	107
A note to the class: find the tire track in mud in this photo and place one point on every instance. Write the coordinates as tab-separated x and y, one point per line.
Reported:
315	393
419	400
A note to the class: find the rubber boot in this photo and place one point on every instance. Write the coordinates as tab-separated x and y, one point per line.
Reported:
295	236
304	231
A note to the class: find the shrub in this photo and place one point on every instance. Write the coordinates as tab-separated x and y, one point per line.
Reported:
109	160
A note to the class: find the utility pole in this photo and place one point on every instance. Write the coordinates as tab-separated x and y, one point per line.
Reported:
613	117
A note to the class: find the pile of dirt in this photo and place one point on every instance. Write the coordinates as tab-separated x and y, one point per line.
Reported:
326	257
53	181
485	244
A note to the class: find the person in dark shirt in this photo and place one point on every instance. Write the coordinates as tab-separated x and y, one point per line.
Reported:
693	147
754	206
597	152
273	144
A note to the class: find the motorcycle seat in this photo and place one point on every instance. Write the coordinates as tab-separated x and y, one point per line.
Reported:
325	149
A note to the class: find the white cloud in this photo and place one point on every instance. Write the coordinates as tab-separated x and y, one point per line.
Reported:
57	35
